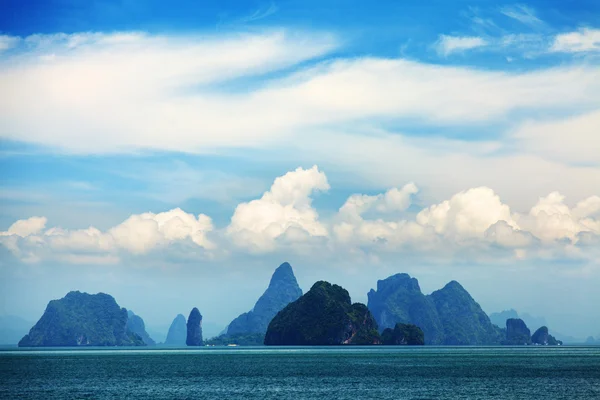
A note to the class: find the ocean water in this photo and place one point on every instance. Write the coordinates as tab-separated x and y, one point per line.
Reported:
303	373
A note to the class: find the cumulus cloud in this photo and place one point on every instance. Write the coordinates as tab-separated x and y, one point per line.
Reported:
26	227
392	200
474	222
505	235
550	219
583	40
283	212
352	228
138	234
589	207
447	45
467	214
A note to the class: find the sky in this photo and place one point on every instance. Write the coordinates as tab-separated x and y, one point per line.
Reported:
173	154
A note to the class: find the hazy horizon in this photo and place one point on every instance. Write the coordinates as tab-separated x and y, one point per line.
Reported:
158	307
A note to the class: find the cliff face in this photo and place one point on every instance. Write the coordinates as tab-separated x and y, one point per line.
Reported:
136	324
403	335
82	319
194	328
517	332
282	290
463	320
398	299
177	334
323	316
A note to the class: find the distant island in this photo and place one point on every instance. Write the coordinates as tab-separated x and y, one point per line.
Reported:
249	328
449	316
323	316
194	329
403	334
81	319
177	334
397	313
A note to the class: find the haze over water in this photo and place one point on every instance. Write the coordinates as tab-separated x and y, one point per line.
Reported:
304	372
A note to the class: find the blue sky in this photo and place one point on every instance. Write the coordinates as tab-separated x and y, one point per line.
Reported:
150	145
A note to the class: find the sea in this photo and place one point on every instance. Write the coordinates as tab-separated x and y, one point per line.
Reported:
372	372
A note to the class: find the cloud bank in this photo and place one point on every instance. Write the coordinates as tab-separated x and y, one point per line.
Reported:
474	222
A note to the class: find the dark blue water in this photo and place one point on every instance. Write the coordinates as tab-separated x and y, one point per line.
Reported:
304	373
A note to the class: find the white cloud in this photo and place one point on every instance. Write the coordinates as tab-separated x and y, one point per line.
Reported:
471	221
392	200
589	207
467	214
572	140
550	219
474	222
522	13
447	45
505	235
162	92
26	227
583	40
351	228
283	212
8	42
139	234
145	88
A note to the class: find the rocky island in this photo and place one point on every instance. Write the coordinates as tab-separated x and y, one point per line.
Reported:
517	333
177	334
82	319
283	289
464	322
399	299
136	324
403	335
194	329
323	316
542	337
449	316
249	328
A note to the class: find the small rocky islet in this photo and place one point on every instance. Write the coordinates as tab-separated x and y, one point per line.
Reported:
194	329
397	313
177	334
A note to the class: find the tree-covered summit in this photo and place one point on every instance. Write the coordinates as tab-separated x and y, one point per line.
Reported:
324	315
82	319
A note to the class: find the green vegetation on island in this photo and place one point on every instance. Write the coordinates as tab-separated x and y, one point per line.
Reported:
449	316
239	339
403	335
464	322
82	319
323	316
